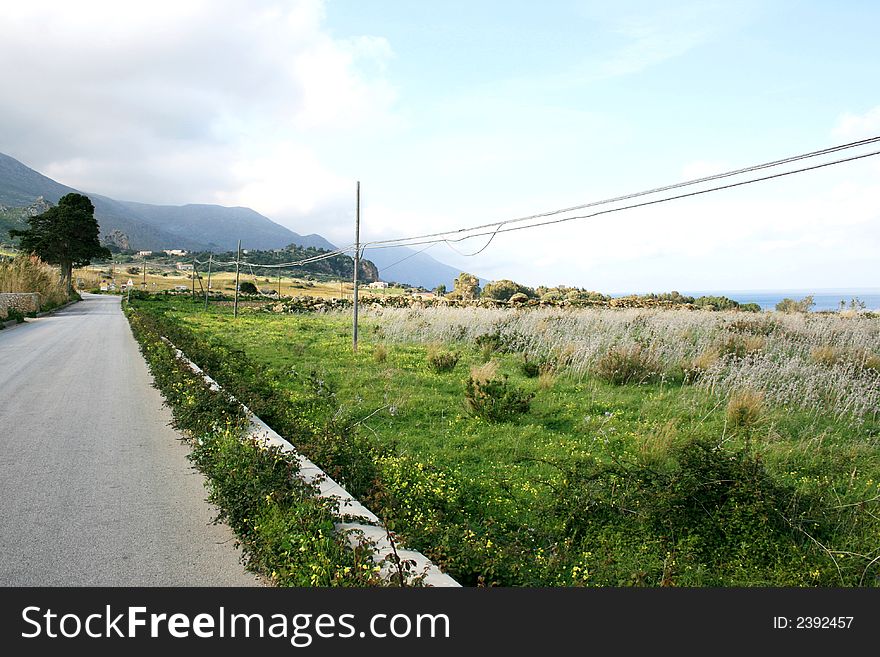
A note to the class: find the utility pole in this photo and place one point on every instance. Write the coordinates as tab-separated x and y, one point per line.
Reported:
193	293
144	284
357	260
279	283
237	261
208	289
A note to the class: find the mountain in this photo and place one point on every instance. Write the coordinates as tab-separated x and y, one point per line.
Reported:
197	227
406	265
155	227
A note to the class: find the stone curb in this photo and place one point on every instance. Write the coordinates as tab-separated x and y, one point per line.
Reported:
358	518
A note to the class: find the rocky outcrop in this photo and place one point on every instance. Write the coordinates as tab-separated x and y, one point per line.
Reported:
368	272
117	238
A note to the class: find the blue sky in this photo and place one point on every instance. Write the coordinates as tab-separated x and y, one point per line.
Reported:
459	113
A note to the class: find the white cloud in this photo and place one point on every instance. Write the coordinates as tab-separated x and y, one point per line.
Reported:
188	100
852	127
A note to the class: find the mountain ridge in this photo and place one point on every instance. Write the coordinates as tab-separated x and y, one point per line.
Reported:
203	227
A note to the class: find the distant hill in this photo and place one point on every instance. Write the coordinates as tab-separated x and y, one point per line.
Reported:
405	265
196	227
154	227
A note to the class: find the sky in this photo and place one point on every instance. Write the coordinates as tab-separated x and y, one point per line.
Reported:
459	113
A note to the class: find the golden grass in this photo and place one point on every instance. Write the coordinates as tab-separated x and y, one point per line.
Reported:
30	274
745	408
826	355
546	379
485	372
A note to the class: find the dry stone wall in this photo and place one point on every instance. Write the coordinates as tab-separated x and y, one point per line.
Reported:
23	302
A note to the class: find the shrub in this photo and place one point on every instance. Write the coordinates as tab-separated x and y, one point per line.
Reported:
248	288
530	368
791	306
492	397
380	353
441	360
623	365
13	314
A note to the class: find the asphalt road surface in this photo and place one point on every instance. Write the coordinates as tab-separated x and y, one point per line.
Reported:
95	487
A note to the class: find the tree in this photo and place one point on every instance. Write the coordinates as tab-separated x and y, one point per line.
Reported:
504	289
791	306
440	289
66	235
467	286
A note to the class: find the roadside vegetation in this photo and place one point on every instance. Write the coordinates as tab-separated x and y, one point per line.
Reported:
558	447
286	531
22	273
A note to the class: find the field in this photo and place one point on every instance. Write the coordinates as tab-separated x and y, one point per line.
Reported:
160	279
590	447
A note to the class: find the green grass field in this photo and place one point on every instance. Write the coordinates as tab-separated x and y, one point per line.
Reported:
652	484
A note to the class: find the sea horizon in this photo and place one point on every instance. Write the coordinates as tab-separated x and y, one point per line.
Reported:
825	298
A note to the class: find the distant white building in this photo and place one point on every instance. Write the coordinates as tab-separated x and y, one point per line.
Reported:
145	253
184	266
378	285
175	252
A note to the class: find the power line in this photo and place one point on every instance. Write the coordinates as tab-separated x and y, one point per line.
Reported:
411	255
409	241
501	229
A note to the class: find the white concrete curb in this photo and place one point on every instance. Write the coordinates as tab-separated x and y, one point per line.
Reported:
362	519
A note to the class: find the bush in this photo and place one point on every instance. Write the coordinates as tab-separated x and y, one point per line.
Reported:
442	361
791	306
248	288
710	516
624	365
494	398
380	353
530	368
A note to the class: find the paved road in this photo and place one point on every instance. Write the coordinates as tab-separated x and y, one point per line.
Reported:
95	488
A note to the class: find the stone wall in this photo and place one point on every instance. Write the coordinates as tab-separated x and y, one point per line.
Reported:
23	302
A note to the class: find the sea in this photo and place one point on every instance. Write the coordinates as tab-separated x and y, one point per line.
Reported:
825	299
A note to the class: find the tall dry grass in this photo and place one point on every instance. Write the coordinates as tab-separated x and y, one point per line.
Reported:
30	274
782	356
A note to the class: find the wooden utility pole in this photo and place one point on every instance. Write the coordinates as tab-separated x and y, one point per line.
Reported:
193	294
357	260
144	284
208	289
279	283
237	261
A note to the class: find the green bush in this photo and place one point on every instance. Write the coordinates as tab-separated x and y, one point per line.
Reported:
495	399
530	368
711	517
248	288
13	314
442	361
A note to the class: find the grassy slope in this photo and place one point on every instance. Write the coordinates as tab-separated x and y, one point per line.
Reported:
523	468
